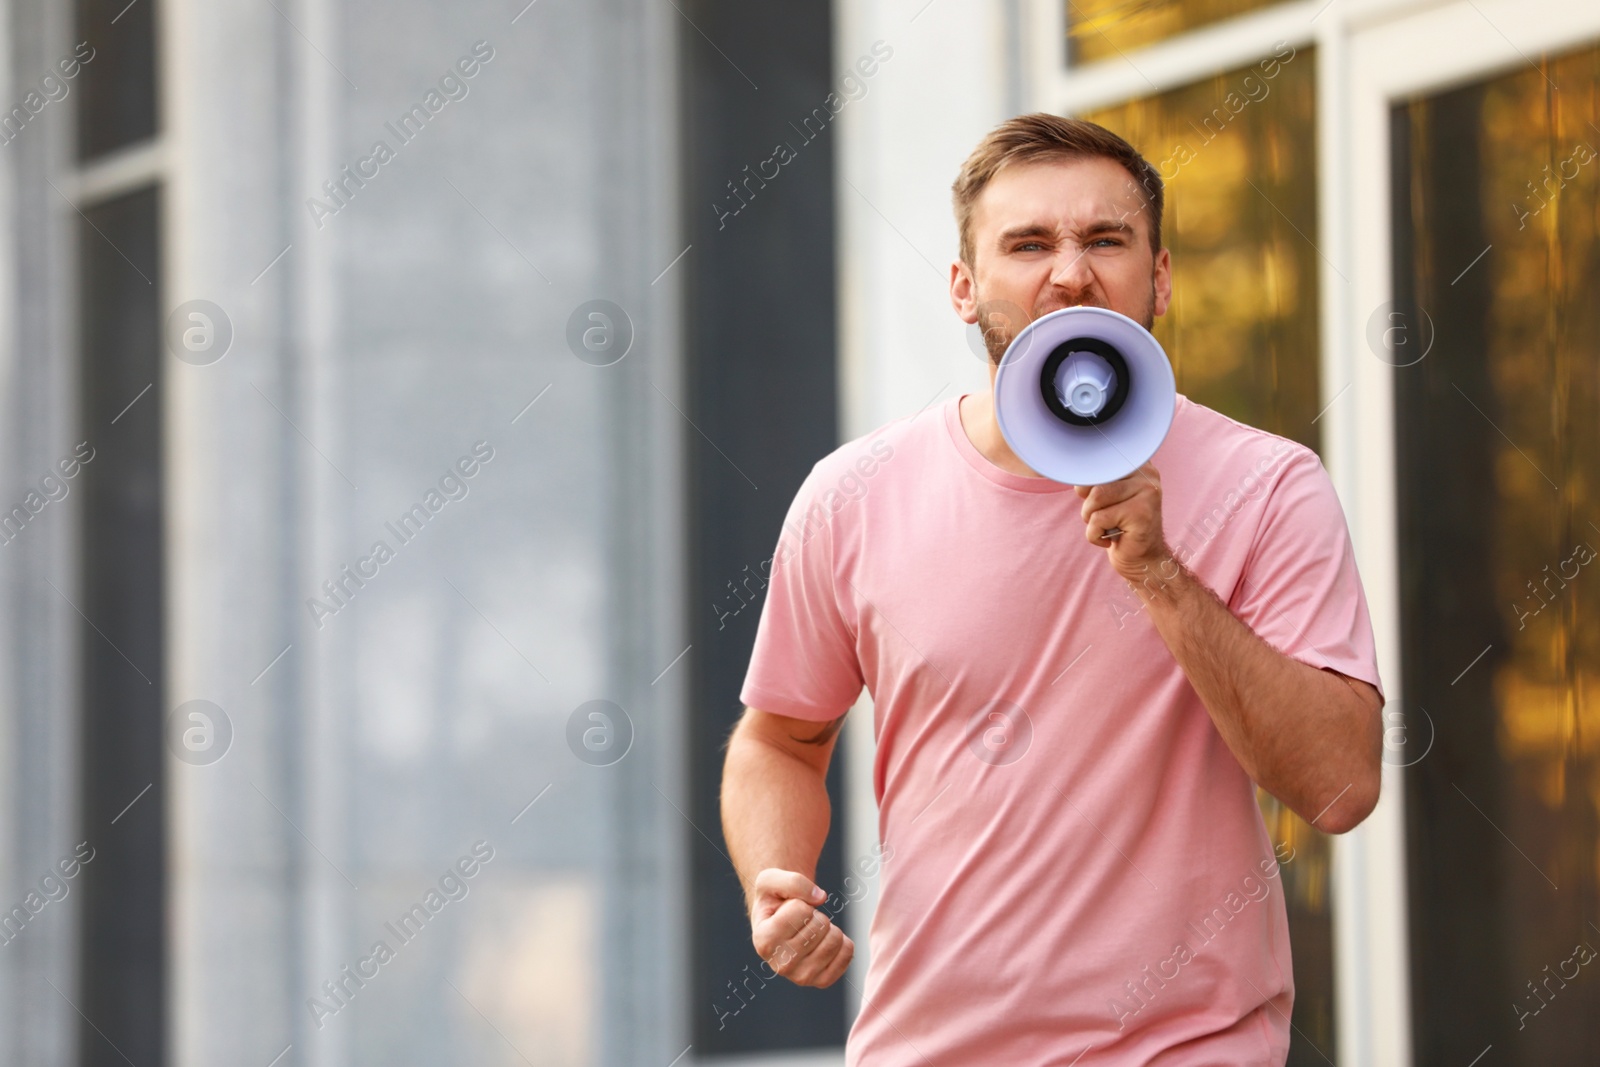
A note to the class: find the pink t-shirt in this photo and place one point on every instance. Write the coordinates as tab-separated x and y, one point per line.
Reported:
1077	872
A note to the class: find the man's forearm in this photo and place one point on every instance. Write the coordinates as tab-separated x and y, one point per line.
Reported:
775	810
1299	732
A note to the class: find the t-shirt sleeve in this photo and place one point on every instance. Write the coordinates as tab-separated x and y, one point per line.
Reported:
804	664
1299	589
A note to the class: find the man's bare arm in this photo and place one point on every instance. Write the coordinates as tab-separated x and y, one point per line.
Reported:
775	815
1312	738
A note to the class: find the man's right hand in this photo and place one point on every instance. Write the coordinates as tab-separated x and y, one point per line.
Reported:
794	936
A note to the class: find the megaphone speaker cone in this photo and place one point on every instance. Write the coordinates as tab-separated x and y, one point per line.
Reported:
1084	395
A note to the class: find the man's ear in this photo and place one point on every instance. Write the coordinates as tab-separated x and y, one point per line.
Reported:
963	291
1163	281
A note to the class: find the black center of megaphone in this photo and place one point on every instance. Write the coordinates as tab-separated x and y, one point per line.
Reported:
1052	364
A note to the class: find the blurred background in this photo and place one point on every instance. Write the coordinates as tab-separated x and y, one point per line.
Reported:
398	406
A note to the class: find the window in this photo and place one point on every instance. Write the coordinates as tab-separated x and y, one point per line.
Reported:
1497	266
765	277
1101	29
122	948
118	85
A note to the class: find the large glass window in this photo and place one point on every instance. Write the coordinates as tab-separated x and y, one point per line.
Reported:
1237	153
123	910
1098	29
1497	278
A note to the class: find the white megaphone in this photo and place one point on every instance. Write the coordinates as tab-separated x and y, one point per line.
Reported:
1084	395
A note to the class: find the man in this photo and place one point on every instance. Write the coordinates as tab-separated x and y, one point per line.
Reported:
1069	728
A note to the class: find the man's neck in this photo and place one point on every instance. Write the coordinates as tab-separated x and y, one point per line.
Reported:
978	421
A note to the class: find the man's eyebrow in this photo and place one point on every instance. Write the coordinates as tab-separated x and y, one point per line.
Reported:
1108	226
1032	229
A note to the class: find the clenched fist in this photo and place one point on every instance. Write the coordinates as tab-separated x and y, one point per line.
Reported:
796	938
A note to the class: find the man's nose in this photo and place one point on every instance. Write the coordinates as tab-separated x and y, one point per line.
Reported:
1071	271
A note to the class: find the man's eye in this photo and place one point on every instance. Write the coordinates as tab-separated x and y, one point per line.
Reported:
1107	242
1030	246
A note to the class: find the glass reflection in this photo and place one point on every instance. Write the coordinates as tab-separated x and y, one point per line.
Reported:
1497	214
1097	29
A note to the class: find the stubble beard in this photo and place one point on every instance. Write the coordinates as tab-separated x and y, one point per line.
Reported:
999	330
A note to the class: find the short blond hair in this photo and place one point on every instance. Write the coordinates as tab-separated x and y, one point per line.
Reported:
1041	136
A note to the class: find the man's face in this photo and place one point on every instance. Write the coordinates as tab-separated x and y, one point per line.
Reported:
1055	234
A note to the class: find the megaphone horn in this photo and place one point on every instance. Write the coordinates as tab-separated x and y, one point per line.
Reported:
1084	396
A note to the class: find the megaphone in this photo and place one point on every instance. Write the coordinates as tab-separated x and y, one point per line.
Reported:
1084	395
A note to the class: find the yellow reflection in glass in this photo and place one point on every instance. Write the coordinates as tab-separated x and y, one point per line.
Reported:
1540	203
1504	198
1097	29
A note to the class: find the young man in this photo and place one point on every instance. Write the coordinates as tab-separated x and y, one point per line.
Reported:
1069	729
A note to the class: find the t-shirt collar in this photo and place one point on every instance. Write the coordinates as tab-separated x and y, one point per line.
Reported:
998	475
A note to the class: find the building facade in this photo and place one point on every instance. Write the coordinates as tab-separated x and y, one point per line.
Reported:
400	404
